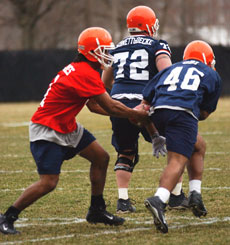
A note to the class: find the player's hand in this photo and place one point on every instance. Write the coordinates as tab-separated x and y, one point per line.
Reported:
142	118
158	143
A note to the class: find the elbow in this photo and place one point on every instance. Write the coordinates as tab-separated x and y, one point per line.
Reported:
203	115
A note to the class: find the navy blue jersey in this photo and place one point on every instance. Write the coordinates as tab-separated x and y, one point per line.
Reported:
188	85
134	64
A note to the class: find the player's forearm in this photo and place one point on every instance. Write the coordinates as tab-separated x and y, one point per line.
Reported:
151	129
107	78
93	106
117	109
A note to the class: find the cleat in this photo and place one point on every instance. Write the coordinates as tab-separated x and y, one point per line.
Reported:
100	215
196	204
179	202
7	225
125	206
157	209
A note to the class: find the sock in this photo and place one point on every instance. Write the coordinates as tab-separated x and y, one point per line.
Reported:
123	193
195	185
163	194
177	189
12	213
97	201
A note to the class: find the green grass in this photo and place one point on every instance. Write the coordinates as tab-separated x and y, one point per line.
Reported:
59	218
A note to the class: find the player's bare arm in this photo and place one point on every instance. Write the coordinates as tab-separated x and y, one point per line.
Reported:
107	77
150	127
117	109
203	115
145	102
163	61
93	106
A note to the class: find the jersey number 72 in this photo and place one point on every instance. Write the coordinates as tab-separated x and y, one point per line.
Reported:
136	68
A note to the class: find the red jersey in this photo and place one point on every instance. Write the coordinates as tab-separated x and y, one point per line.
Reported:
67	94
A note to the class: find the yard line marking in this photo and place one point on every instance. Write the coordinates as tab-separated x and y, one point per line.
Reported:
211	153
15	124
131	188
212	133
15	156
101	132
87	170
218	153
74	221
39	239
113	154
11	172
66	221
202	222
8	190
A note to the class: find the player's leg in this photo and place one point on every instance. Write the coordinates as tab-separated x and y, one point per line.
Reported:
43	186
178	199
91	150
184	127
99	160
195	171
169	178
125	141
196	165
48	158
123	171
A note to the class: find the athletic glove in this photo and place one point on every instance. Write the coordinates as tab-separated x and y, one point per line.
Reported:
158	143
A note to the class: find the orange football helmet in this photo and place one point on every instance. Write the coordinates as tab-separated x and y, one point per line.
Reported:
142	18
200	50
94	43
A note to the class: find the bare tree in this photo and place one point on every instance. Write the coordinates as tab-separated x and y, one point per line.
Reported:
88	12
42	24
164	16
27	13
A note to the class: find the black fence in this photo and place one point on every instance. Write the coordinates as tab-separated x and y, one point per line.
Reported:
25	75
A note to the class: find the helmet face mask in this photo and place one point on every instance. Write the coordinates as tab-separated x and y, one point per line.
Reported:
101	54
94	43
202	51
213	63
153	31
142	19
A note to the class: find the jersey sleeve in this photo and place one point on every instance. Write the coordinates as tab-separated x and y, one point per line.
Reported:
162	47
89	85
149	90
212	93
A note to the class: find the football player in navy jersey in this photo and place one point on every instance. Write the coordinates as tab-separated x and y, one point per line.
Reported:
137	59
180	96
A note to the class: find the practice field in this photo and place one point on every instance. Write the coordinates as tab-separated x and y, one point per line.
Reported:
59	218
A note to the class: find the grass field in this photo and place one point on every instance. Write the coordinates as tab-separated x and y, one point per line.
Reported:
59	218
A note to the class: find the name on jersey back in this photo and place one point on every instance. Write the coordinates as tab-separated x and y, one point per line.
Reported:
135	40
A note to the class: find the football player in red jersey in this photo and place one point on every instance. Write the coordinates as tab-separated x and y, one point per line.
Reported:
55	135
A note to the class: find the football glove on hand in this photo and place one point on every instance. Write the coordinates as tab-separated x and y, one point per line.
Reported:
158	143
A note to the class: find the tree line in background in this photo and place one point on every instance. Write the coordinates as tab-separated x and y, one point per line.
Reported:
56	24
